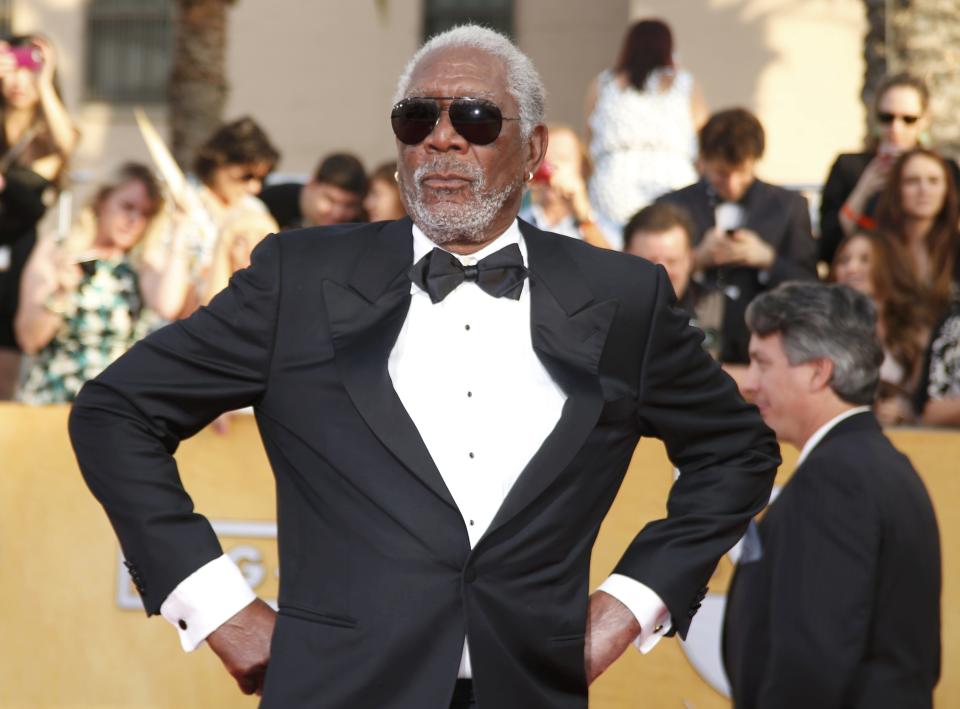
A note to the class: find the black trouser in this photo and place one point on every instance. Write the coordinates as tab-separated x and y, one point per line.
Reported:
463	695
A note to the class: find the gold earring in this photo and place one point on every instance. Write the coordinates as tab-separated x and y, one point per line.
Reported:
529	176
396	176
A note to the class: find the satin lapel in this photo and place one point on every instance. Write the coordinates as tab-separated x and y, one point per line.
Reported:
569	332
365	316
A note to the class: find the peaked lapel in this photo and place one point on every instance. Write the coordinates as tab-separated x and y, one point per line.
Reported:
569	330
365	316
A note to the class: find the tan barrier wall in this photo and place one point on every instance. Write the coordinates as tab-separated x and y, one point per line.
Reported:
67	638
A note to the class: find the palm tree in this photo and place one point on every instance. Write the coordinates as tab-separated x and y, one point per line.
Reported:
198	82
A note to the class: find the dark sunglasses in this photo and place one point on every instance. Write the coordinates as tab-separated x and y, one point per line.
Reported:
888	118
479	121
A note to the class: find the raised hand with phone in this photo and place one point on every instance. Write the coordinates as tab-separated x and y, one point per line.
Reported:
559	190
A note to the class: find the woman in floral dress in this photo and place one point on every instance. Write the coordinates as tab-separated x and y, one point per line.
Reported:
81	303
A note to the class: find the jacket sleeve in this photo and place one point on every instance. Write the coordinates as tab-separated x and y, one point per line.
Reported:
127	423
726	456
834	194
824	562
797	258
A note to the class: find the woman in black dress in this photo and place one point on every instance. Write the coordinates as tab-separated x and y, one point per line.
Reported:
36	139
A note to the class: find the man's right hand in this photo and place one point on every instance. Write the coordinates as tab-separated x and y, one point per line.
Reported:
243	645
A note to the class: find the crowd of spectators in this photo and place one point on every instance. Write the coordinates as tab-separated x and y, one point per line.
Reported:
655	175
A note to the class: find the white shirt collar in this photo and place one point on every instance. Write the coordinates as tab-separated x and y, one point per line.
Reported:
422	245
825	429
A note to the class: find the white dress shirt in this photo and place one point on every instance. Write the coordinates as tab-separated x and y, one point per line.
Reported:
454	364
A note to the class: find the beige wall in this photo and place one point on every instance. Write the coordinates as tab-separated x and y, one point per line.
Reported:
319	75
797	64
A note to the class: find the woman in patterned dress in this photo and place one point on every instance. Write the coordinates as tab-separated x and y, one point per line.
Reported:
81	302
643	118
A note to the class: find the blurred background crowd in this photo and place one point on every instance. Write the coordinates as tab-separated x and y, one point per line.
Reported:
652	169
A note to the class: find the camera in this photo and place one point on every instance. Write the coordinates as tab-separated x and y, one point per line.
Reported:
27	57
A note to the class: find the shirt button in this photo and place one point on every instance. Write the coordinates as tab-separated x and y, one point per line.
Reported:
469	394
182	623
471	455
471	523
466	327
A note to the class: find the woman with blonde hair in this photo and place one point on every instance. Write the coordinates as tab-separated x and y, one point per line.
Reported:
82	302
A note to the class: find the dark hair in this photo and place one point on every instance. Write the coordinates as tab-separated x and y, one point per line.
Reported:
241	142
128	172
655	218
902	80
343	170
904	310
941	240
733	136
648	45
829	321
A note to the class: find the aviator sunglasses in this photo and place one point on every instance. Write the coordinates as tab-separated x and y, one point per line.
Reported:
479	121
888	118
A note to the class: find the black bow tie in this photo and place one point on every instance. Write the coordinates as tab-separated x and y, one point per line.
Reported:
500	274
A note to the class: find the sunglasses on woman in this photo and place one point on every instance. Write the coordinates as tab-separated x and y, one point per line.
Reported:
479	121
888	118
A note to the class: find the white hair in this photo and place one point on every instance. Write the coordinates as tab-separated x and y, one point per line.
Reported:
523	81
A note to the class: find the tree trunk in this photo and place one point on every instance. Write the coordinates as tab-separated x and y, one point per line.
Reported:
874	55
921	37
198	82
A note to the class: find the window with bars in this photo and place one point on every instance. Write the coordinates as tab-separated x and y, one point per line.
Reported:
129	49
440	15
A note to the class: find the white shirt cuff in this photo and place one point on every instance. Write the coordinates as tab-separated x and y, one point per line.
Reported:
646	606
205	600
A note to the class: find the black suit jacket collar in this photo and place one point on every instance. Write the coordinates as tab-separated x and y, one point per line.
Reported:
568	328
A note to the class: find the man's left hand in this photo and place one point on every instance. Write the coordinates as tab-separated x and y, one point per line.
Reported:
611	627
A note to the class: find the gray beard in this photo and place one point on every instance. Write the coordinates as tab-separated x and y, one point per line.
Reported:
446	222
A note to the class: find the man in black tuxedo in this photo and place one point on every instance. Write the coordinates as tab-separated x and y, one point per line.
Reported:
836	599
449	405
749	235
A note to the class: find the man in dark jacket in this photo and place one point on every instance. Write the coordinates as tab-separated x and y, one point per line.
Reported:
449	403
836	600
749	235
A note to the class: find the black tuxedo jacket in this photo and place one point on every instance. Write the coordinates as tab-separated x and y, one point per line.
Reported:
379	584
782	219
843	607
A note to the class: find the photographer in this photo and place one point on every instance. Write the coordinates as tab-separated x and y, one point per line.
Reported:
37	139
558	190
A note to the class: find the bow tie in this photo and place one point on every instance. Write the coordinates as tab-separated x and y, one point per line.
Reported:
500	274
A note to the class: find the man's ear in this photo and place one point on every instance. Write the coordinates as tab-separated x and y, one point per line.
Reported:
536	149
821	373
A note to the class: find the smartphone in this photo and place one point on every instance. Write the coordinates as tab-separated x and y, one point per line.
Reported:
27	57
